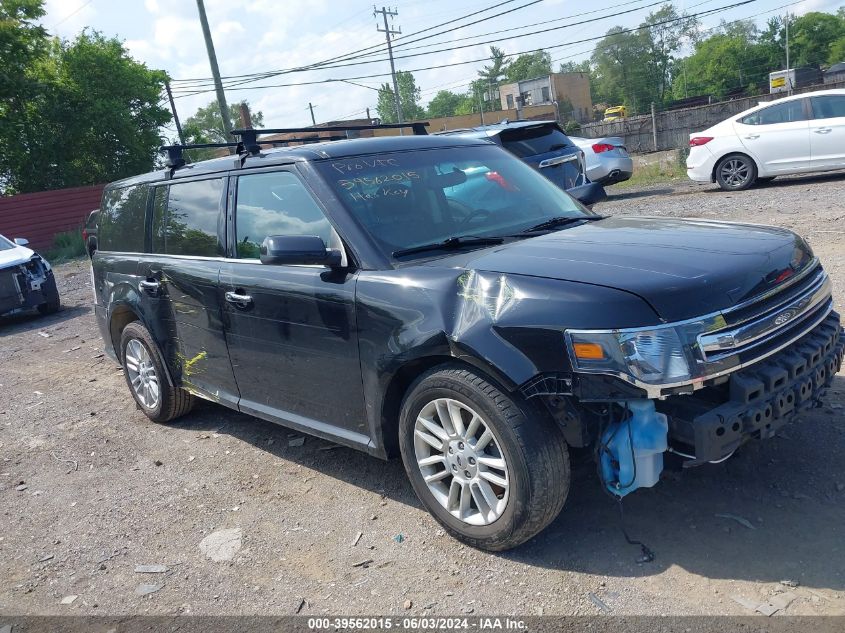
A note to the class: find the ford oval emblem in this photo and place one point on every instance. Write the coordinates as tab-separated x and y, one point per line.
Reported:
783	317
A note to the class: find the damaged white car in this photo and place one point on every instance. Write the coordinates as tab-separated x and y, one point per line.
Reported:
26	279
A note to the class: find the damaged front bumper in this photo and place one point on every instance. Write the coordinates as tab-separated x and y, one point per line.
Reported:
25	286
757	401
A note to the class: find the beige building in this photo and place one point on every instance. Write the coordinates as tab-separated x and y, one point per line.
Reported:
561	89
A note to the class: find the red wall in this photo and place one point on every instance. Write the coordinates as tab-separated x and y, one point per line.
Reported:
39	216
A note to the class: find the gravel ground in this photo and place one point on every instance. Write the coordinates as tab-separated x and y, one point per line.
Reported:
246	521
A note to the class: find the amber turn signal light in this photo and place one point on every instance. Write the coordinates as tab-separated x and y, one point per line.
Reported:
588	351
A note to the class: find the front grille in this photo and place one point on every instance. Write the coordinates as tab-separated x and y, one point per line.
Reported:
775	297
769	324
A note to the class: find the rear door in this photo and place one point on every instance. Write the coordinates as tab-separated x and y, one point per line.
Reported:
547	148
777	137
291	330
827	131
180	283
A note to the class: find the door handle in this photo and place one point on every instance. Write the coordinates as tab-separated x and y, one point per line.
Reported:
822	130
150	286
752	136
238	299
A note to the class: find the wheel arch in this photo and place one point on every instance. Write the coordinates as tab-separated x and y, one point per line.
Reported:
733	153
121	316
405	377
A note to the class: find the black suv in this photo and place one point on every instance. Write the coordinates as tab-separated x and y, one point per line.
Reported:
436	298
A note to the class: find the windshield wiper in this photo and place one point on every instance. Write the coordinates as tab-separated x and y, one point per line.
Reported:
448	243
560	221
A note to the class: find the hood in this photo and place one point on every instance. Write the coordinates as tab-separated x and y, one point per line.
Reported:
15	256
682	268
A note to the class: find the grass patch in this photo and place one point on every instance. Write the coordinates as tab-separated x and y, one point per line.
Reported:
656	168
67	245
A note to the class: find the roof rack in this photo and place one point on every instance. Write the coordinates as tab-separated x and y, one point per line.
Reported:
174	152
251	144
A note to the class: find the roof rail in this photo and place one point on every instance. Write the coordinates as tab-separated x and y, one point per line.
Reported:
249	137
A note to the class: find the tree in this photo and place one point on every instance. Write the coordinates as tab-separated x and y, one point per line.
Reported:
206	124
409	98
444	103
664	36
95	116
620	62
529	66
837	51
811	37
492	73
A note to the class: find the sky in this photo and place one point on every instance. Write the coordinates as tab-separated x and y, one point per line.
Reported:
252	36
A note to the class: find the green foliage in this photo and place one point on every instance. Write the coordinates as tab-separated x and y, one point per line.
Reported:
811	37
66	245
444	103
80	112
409	99
837	51
572	128
636	68
206	126
529	66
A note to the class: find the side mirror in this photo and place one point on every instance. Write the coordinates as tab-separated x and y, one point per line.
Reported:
298	250
588	194
21	241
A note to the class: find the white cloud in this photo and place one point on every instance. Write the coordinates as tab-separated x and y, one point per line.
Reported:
152	6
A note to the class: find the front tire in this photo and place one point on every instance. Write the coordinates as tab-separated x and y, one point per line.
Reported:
51	294
147	379
736	172
490	469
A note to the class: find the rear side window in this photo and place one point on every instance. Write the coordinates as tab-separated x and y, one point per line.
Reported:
121	221
275	203
828	107
787	112
186	218
534	140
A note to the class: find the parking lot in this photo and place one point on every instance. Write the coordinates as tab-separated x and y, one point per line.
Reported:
91	489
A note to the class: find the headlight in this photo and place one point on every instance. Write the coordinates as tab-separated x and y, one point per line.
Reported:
651	356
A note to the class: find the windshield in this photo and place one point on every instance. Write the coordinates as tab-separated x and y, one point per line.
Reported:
5	244
409	199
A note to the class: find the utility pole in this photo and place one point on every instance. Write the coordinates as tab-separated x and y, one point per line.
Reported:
246	117
215	70
387	33
788	78
654	125
173	109
313	120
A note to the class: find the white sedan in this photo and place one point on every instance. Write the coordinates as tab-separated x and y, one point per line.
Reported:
794	135
26	279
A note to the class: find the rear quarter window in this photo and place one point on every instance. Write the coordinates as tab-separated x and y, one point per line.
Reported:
121	219
187	218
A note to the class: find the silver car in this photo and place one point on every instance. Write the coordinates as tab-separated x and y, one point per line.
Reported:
607	159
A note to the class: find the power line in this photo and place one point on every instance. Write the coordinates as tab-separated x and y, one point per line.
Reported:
475	61
351	55
72	13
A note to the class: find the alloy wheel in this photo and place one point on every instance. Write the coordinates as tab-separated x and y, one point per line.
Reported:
142	373
461	461
735	172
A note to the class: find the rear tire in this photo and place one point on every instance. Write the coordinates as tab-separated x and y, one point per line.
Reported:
736	172
501	472
147	379
51	293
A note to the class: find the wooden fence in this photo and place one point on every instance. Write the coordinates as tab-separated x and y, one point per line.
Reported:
39	216
675	126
